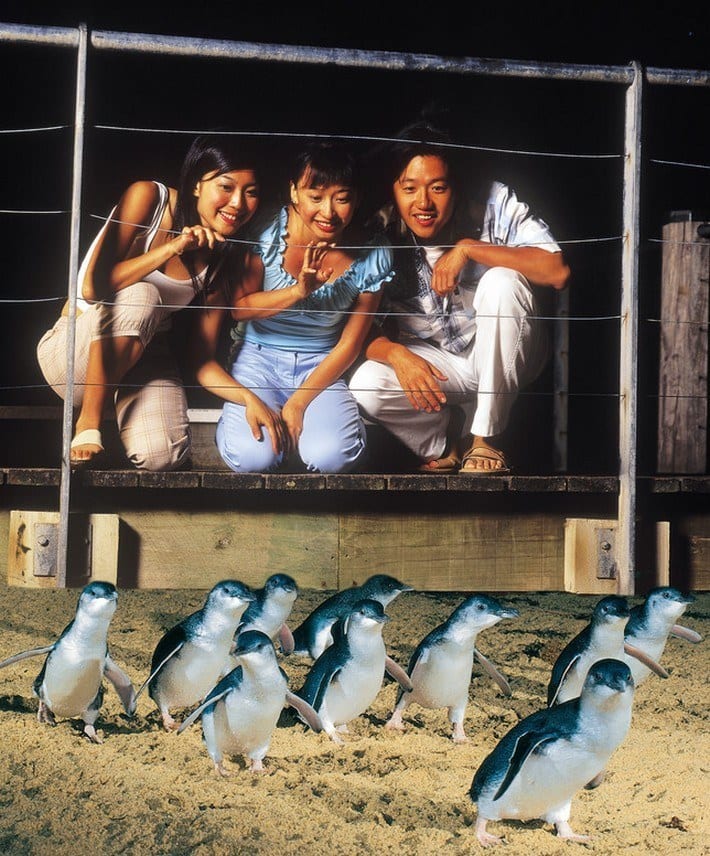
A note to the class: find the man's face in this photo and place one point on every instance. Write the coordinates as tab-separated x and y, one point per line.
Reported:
424	197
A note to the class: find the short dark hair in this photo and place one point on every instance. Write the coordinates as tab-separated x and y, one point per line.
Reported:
325	163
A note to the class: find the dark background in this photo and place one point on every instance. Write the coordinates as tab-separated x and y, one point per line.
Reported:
580	197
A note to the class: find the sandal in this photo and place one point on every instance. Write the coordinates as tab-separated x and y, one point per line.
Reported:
448	464
484	453
89	437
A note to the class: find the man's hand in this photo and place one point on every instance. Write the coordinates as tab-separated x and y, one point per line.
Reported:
420	380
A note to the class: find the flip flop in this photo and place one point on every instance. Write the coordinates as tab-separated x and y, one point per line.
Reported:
487	454
448	464
91	436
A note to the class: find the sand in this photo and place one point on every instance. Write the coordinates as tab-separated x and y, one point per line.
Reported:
145	791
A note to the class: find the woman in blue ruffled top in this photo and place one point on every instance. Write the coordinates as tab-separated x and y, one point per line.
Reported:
305	305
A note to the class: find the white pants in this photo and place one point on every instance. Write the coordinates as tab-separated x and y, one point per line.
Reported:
509	350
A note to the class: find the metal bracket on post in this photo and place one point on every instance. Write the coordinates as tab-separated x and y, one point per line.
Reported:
606	556
44	556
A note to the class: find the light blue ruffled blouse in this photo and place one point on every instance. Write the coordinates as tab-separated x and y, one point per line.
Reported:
316	323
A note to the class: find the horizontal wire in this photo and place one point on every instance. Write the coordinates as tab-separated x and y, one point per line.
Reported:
680	163
22	211
362	138
33	130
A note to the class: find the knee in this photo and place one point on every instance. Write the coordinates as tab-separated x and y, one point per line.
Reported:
242	453
159	453
332	453
366	386
503	290
134	311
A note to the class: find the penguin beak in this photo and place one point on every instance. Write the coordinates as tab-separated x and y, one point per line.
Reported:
509	612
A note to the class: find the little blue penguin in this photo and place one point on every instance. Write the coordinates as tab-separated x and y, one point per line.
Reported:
602	638
540	764
271	609
71	680
313	635
651	624
240	714
440	668
189	659
345	679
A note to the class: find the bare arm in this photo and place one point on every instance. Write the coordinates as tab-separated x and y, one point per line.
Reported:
538	266
335	364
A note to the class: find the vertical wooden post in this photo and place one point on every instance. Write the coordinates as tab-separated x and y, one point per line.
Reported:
683	374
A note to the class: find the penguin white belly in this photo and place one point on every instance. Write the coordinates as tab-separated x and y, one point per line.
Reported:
190	675
353	691
650	645
251	721
574	680
442	681
544	783
71	682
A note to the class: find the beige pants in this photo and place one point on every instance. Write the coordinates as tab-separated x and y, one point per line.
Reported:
151	407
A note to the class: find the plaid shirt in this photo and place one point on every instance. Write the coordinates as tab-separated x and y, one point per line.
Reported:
450	322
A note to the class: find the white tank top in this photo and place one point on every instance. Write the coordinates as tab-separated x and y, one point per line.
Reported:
174	293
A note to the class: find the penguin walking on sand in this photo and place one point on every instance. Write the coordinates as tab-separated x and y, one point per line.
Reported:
190	658
240	714
650	625
270	610
346	678
440	668
314	635
70	683
602	638
540	764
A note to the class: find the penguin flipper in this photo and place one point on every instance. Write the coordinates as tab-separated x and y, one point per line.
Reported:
211	699
643	657
493	673
524	746
288	644
158	668
122	684
309	716
556	682
677	630
394	670
33	652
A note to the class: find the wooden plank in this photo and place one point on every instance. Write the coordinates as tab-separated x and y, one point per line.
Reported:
196	549
699	564
683	374
460	552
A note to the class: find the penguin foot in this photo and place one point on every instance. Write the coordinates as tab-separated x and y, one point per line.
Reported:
90	732
458	735
394	723
257	766
45	715
564	831
219	769
169	724
486	839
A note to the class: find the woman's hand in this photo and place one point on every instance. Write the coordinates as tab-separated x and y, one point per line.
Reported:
312	275
259	416
292	415
195	238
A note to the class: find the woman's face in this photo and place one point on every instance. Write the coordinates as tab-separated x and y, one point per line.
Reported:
227	200
325	211
424	197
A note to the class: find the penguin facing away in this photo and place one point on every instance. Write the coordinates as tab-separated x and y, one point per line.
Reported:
270	610
190	658
70	683
314	635
440	667
650	625
346	678
240	714
538	766
602	638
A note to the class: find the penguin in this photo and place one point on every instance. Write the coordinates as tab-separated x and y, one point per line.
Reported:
271	609
650	625
313	635
540	764
440	668
345	679
189	659
239	715
70	683
603	637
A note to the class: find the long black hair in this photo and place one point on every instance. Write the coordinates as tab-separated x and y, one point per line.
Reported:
213	154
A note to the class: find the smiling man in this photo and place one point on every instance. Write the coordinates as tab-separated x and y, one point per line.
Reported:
462	333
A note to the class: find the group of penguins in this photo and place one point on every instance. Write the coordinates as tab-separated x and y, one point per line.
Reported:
222	661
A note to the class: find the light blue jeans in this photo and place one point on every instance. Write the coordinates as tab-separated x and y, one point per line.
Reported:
333	437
